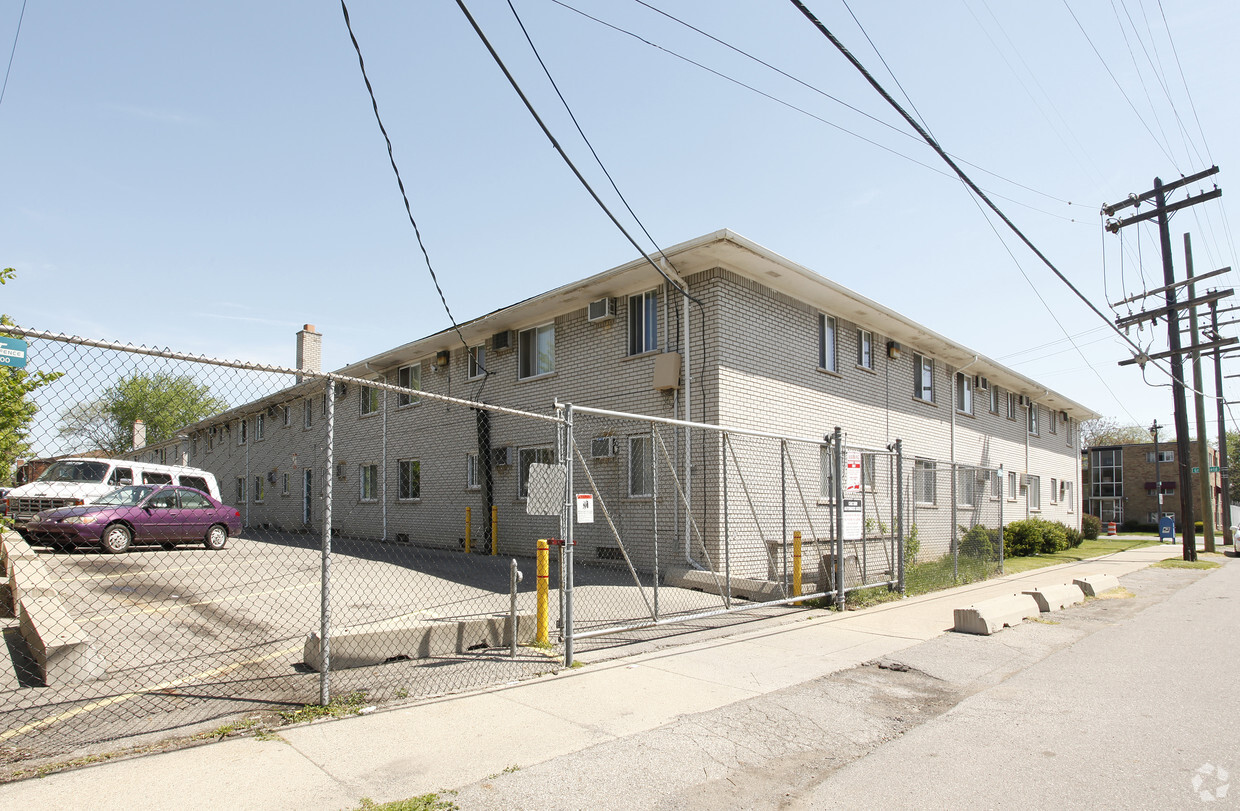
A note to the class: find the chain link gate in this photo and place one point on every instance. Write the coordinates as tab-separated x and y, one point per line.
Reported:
955	525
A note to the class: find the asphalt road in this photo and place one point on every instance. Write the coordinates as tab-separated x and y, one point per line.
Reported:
1118	703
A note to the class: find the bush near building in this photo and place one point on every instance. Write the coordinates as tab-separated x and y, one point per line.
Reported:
1037	536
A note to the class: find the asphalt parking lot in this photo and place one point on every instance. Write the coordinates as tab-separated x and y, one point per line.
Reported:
191	635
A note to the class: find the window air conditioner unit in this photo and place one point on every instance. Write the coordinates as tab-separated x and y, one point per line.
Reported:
271	412
1063	415
601	310
1024	401
603	447
501	341
981	383
502	457
341	390
271	477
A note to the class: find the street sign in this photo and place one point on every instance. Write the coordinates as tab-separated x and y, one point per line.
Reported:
13	353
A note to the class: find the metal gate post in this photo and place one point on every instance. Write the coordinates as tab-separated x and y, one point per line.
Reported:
566	454
1000	489
727	552
900	512
325	606
837	478
955	541
654	510
783	509
568	539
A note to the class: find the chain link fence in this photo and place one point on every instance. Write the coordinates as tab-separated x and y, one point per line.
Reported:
196	538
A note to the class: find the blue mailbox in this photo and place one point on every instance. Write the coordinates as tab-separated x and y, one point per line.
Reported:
1166	528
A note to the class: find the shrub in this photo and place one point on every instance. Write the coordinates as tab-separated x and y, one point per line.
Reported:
1091	525
911	545
979	542
1131	525
1074	538
1037	536
1020	538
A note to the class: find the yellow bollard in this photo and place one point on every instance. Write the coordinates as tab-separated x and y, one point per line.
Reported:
541	636
494	530
796	565
468	530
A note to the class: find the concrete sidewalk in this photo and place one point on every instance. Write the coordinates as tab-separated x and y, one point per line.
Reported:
457	740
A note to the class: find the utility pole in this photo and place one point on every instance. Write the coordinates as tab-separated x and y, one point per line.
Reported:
1199	406
1223	457
1157	475
1171	313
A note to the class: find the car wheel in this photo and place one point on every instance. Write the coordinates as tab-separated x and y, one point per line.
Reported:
217	537
117	539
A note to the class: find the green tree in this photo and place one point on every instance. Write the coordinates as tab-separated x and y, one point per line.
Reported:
1108	431
165	402
16	409
1233	465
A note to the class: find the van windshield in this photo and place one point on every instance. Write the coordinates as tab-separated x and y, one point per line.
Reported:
76	471
125	497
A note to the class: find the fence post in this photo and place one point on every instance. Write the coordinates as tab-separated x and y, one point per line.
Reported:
543	570
569	504
783	509
325	609
494	530
955	541
654	510
900	512
837	488
469	534
1000	489
796	565
727	556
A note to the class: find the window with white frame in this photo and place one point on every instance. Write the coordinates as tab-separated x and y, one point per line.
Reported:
477	361
1054	490
966	487
992	484
259	489
368	478
924	475
644	322
826	343
408	377
865	349
1034	492
408	479
826	473
243	431
1033	419
641	466
241	489
1053	422
471	471
1065	494
1163	456
869	463
964	393
370	400
527	457
923	378
1011	487
994	399
260	427
536	351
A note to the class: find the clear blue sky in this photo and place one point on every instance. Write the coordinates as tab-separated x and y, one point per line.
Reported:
210	176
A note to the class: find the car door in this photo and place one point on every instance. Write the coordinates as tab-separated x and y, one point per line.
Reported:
160	519
197	513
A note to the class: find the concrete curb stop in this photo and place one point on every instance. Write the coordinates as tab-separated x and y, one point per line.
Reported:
1054	598
1094	584
379	642
995	614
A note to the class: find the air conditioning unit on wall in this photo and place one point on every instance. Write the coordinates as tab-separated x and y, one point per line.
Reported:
601	310
603	447
501	341
502	457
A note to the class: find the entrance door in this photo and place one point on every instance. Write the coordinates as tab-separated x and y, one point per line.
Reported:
307	503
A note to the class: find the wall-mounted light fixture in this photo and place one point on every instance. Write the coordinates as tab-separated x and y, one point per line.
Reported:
893	350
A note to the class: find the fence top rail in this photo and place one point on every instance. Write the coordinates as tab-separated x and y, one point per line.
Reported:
267	367
705	426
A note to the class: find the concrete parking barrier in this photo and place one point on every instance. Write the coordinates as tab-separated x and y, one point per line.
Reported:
1094	584
995	614
1053	598
61	650
407	638
743	588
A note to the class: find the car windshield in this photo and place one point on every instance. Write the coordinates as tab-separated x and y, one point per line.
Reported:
125	497
74	471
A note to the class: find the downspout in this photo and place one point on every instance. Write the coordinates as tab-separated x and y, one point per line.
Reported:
687	414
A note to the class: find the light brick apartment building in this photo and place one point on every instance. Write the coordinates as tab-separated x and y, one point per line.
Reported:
1121	482
771	346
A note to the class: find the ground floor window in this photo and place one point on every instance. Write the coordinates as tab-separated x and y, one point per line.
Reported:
527	457
408	479
369	478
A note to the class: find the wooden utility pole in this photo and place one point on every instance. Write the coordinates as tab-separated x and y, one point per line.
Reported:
1223	457
1199	407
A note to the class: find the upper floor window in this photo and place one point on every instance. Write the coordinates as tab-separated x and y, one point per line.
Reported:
923	378
408	377
1163	456
260	427
644	322
826	343
243	430
371	399
477	361
536	351
865	349
1033	419
1011	406
307	414
994	399
964	393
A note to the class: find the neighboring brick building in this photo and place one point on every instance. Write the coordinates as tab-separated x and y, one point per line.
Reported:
1121	482
773	346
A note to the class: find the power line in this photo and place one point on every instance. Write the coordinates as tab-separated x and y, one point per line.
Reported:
13	51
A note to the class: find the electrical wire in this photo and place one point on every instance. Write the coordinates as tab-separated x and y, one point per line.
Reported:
13	51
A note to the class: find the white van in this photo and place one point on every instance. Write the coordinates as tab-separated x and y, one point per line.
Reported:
69	482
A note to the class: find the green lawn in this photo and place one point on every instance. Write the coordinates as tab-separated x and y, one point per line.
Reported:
1087	549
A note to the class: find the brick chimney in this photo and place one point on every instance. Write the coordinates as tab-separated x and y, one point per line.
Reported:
139	434
309	350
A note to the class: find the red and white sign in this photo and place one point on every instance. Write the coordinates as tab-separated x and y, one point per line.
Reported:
585	508
852	472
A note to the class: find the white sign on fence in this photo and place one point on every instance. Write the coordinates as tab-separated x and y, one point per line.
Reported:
852	472
585	508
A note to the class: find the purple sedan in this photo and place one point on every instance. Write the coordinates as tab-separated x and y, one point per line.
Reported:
140	514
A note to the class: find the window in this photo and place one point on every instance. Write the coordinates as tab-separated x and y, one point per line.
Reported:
1033	419
1065	494
994	399
964	393
826	473
1011	406
193	448
477	361
1011	488
826	343
193	501
288	415
241	489
196	482
1035	492
341	468
408	377
368	476
1054	422
644	322
370	400
641	466
284	485
471	471
923	378
865	349
527	457
923	481
258	489
868	466
260	427
121	476
166	500
1163	456
151	477
536	352
408	479
992	484
1054	491
966	487
307	414
243	429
